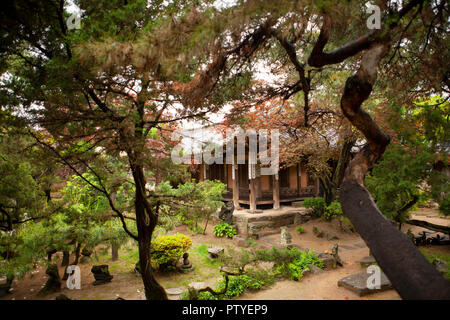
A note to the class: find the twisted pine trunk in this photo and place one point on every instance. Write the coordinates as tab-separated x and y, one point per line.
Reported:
146	221
405	266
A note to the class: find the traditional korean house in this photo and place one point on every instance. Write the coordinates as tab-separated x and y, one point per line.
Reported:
247	186
292	183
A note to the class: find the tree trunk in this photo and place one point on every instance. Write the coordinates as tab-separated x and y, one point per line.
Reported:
344	159
65	258
410	273
50	253
330	185
114	252
405	266
329	193
146	221
48	195
77	253
206	224
428	225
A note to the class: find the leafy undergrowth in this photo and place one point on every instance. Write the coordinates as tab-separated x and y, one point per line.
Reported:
286	264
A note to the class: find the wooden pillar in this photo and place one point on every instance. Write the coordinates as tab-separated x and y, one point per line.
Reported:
206	172
276	191
252	196
258	190
299	178
235	177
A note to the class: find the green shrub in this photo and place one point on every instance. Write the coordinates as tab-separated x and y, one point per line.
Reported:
167	250
253	279
290	263
192	225
205	295
300	229
224	229
444	206
237	285
264	277
317	204
334	210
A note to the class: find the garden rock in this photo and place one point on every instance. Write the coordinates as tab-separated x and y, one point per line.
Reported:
196	286
358	284
318	232
5	287
332	236
53	283
314	269
85	255
302	217
329	262
214	252
101	274
226	212
367	261
440	265
62	297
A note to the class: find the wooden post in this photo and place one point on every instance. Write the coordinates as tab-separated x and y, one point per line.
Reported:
252	195
235	177
252	188
258	191
299	178
276	191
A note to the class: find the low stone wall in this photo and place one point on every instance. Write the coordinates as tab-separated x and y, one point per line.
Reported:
269	221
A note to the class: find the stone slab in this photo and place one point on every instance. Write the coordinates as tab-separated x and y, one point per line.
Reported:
174	291
197	285
367	261
358	283
215	251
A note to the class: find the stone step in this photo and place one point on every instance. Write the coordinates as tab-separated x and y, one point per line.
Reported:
358	283
367	261
174	293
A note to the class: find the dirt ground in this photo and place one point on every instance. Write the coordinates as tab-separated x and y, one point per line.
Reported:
127	284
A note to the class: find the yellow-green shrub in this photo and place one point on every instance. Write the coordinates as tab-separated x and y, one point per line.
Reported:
167	250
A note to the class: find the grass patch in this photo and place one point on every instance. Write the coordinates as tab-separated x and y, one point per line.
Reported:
441	256
201	252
